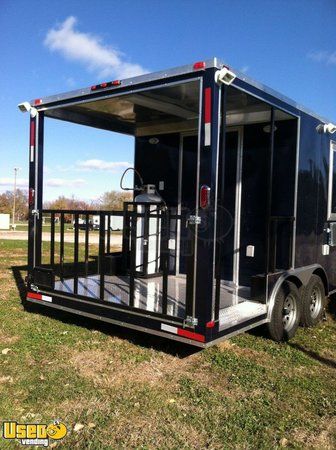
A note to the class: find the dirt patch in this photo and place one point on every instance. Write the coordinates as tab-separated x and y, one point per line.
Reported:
139	432
330	354
106	369
75	408
7	379
325	439
7	339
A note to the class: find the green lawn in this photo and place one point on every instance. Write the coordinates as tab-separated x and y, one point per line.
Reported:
47	227
68	228
130	390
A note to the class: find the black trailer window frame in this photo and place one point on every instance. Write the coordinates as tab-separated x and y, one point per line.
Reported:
331	182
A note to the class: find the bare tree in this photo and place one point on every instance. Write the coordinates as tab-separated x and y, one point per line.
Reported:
114	200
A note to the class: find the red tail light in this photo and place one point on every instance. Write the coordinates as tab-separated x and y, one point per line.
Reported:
199	65
105	85
204	197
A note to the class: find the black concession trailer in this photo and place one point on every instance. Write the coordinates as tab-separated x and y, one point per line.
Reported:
233	219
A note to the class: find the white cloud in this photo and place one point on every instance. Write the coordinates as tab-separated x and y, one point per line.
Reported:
99	164
70	82
245	69
89	50
9	182
323	56
60	182
50	182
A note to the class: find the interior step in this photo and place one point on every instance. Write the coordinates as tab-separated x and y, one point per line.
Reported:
235	314
231	294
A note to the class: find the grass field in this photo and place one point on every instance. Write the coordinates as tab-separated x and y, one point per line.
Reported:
68	228
130	390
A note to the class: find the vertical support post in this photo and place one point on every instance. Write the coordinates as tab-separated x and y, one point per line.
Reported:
52	240
35	190
62	246
269	196
108	244
125	238
39	187
220	201
165	230
133	254
86	255
157	243
76	253
101	255
32	191
208	174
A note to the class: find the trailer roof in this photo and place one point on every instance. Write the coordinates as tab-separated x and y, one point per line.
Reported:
53	100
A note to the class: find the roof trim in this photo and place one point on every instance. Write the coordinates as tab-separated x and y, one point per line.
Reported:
176	71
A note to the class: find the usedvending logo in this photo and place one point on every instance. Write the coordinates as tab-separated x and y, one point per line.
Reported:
39	434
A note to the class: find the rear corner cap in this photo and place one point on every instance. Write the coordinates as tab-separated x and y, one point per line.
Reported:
225	76
27	107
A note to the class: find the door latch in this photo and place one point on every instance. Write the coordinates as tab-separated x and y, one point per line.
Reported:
36	213
34	288
190	322
193	220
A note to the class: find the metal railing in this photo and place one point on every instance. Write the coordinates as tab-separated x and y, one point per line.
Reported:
80	221
70	255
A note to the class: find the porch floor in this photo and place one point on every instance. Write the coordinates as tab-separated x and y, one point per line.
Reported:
148	292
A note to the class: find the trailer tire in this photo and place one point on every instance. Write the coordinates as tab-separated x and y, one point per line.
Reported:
313	302
286	313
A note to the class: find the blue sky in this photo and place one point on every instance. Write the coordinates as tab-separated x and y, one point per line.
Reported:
54	46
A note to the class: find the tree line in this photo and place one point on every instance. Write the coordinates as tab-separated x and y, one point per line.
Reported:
112	200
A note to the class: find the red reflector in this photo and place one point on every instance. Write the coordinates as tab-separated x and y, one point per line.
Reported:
37	101
93	88
31	196
199	65
34	295
103	85
32	132
207	106
116	83
210	324
191	335
204	196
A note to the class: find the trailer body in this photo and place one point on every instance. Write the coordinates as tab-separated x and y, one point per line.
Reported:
247	179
